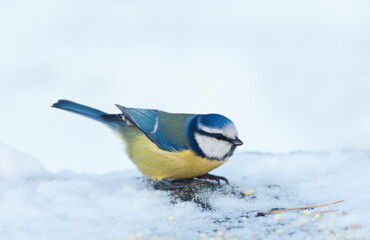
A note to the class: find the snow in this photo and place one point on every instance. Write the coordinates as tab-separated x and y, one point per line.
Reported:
38	204
16	164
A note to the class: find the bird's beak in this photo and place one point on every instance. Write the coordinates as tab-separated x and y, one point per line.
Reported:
237	142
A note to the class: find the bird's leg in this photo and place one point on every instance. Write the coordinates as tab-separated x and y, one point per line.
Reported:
213	177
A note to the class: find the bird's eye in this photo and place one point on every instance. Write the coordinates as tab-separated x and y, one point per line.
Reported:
219	136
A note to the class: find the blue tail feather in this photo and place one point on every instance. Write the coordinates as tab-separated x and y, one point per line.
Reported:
89	112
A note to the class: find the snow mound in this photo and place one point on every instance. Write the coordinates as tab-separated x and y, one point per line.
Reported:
124	205
16	164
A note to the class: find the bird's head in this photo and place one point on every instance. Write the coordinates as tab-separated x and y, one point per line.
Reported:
213	136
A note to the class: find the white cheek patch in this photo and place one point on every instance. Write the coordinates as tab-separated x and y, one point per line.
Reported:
229	131
212	147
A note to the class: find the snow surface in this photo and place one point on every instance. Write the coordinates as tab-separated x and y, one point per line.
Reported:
37	204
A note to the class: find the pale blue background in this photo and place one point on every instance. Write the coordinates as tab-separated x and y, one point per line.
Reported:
292	75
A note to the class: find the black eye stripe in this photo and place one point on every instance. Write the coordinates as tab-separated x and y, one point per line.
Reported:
215	135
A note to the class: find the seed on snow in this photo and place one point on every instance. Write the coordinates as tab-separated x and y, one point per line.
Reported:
278	218
306	212
303	221
203	235
322	227
279	231
249	192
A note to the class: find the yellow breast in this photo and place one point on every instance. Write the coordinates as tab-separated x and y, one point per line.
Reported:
159	164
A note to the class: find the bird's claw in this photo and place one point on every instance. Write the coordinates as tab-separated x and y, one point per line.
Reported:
214	178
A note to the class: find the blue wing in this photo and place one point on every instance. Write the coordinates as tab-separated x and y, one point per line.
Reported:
166	130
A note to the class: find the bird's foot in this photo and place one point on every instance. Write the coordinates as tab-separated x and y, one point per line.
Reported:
213	177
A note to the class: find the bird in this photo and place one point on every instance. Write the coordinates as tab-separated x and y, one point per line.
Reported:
167	145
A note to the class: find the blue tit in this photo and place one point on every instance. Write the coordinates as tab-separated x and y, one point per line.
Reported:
168	145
